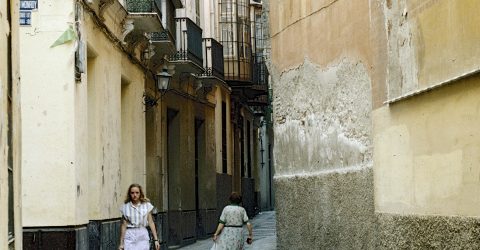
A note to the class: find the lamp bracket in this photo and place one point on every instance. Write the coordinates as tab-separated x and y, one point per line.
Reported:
150	101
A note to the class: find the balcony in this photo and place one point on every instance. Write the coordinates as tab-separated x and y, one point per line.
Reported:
259	101
213	60
259	78
188	56
145	14
164	42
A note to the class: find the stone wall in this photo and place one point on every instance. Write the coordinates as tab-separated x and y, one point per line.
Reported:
332	210
375	110
427	232
324	175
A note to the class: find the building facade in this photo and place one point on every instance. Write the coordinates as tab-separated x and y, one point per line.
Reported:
374	112
10	189
209	130
84	121
425	140
98	121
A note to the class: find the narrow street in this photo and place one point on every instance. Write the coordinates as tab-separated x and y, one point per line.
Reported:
264	234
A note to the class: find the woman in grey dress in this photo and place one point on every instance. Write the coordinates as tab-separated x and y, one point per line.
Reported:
229	233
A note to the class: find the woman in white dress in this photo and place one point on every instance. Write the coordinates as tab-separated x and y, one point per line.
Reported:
136	216
229	233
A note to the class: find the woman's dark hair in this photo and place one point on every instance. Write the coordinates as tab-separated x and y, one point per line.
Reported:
235	198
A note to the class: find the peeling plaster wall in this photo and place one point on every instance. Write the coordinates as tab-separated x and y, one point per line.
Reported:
402	63
323	168
325	114
423	42
328	63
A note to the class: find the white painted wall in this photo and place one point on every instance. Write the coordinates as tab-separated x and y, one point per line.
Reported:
3	126
76	168
48	114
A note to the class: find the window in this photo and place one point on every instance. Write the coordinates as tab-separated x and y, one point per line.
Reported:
226	8
197	11
227	27
244	40
227	39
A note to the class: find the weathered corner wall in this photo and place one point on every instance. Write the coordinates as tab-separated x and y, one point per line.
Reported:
328	72
325	114
323	168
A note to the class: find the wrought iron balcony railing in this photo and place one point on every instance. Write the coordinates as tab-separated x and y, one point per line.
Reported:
162	36
213	61
144	6
188	42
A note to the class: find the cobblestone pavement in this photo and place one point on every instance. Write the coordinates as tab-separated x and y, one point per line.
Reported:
264	234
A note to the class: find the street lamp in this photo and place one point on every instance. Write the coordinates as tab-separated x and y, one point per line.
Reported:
163	81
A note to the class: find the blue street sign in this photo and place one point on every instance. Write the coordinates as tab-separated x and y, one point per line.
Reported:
28	4
25	18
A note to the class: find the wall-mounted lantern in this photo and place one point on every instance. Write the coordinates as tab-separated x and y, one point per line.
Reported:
163	81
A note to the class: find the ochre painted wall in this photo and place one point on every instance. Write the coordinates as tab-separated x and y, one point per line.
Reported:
426	153
430	42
